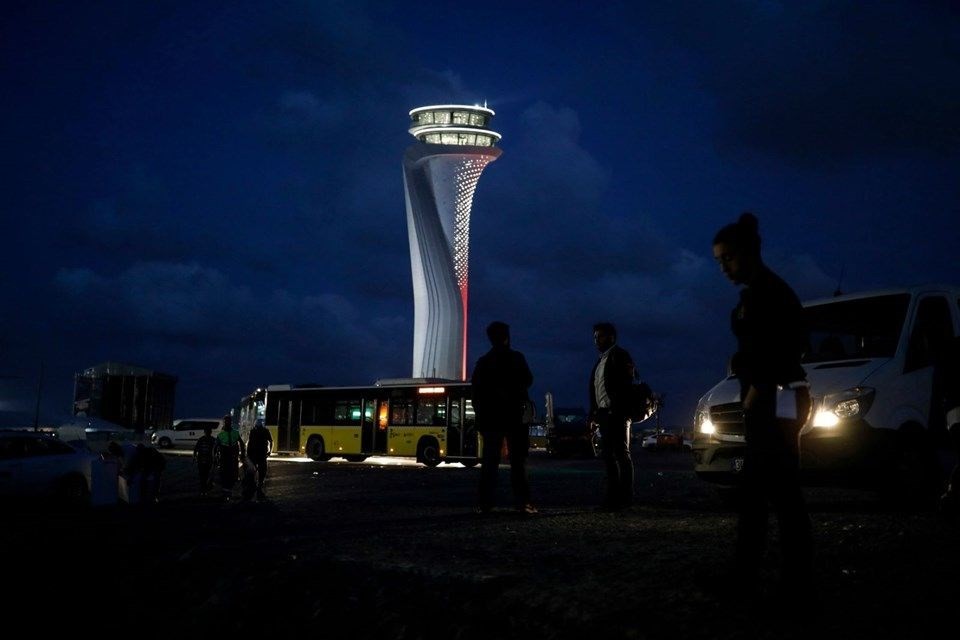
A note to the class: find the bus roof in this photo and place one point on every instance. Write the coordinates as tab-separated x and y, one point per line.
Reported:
396	382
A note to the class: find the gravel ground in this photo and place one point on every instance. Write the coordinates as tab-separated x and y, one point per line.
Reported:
370	550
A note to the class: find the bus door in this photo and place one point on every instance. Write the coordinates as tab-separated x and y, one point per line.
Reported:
369	427
288	425
455	427
380	421
468	429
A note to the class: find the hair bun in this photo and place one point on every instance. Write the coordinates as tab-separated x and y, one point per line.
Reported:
749	222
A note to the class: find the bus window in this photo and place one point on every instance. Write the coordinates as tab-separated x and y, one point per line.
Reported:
347	412
432	411
401	411
273	408
469	418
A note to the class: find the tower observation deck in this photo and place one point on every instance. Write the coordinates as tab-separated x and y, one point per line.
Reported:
440	175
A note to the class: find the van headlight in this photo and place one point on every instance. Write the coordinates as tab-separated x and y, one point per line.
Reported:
703	423
846	405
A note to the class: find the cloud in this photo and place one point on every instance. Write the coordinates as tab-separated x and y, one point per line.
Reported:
819	80
186	317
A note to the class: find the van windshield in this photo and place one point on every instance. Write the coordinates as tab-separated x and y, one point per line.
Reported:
853	329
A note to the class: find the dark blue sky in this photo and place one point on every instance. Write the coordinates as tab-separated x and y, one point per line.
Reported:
214	189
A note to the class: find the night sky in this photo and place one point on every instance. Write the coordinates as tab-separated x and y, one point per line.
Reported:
214	189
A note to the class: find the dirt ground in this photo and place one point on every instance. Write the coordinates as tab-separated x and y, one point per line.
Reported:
377	550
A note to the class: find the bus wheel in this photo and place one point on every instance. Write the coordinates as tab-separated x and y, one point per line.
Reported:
355	458
428	452
316	449
472	462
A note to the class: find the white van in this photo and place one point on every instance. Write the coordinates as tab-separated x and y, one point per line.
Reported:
185	432
876	408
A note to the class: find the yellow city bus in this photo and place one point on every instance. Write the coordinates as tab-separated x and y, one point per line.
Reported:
429	420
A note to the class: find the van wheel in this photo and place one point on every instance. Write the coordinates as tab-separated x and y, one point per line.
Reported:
316	449
428	452
165	442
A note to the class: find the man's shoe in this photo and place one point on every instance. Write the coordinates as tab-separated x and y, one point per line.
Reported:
528	509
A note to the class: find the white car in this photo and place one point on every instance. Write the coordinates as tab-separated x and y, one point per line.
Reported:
35	464
185	432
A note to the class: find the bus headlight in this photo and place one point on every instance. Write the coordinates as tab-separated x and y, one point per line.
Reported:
848	404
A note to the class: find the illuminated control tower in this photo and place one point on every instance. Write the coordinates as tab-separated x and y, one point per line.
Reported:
440	174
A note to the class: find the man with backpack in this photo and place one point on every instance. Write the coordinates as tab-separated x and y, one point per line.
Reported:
611	382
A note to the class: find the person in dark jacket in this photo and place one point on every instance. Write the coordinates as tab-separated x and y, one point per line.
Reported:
259	444
609	385
771	335
154	464
229	451
203	457
500	380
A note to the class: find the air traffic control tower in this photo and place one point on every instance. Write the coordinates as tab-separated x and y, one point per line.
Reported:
440	174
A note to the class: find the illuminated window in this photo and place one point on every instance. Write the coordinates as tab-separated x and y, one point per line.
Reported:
425	117
483	141
401	412
347	412
449	138
441	117
433	138
382	417
461	117
477	120
432	411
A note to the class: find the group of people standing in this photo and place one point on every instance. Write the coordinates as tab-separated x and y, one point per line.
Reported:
501	380
771	337
228	453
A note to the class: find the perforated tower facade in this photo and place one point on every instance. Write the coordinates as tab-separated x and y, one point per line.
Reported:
440	174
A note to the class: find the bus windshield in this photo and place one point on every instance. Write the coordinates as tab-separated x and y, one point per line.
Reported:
855	329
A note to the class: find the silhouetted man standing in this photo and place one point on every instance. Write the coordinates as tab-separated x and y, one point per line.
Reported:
259	443
500	382
610	382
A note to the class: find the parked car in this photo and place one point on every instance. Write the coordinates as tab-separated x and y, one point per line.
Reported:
185	432
34	464
571	435
664	440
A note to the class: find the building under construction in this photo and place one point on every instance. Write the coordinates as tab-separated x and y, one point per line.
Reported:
126	395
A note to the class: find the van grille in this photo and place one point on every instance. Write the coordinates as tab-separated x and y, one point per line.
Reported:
728	418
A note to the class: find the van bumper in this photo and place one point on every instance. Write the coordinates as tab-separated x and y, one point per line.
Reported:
851	451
